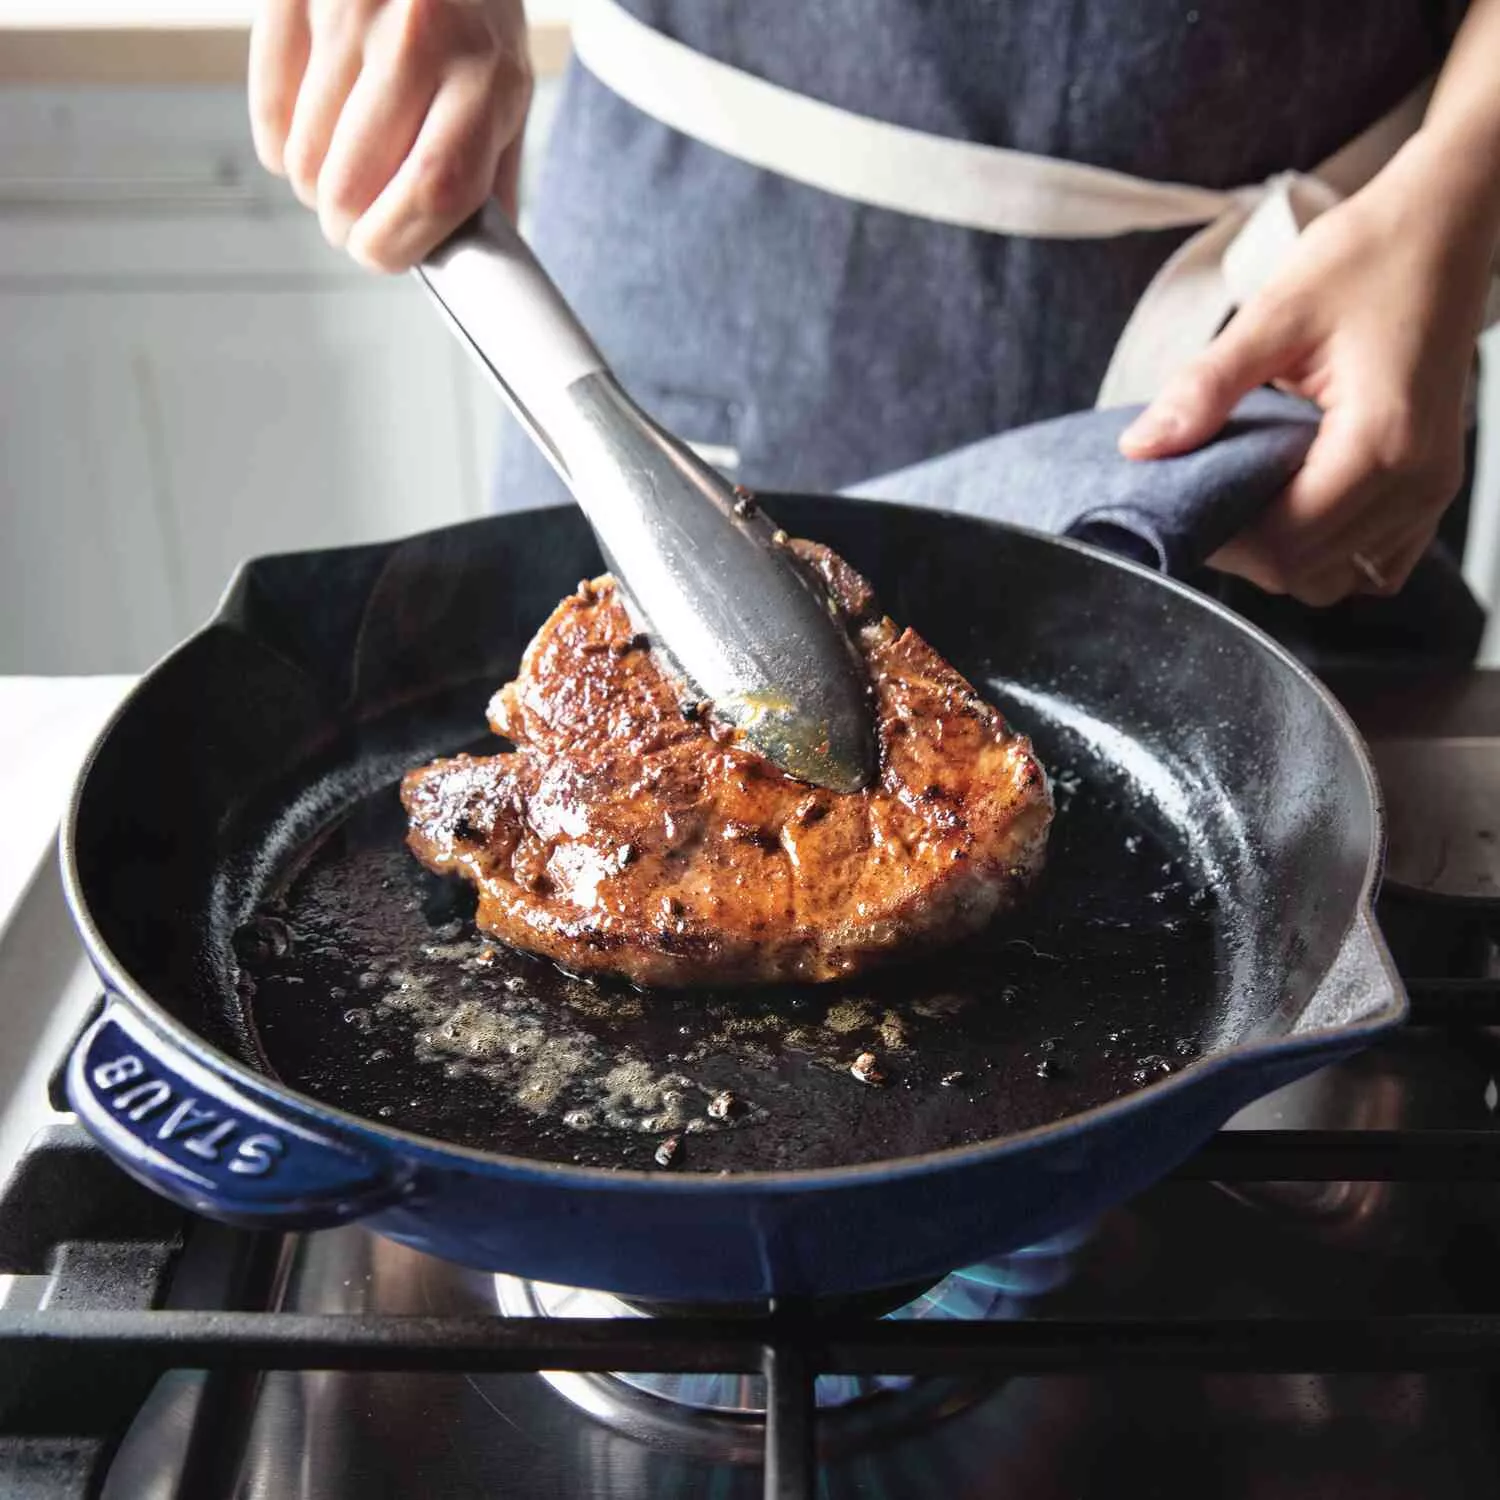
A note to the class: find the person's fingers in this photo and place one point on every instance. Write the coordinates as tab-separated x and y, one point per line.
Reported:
279	42
1260	342
507	189
333	64
1246	556
376	129
1384	537
1381	571
1383	546
1375	485
1389	533
1340	572
451	167
1392	549
1287	543
1398	566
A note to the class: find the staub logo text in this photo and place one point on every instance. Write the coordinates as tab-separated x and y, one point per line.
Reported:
198	1128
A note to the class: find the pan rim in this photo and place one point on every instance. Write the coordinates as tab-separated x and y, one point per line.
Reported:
397	1144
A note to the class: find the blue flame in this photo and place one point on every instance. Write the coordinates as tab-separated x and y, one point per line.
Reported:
994	1290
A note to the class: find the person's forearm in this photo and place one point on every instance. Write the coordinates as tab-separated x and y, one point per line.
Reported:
1461	131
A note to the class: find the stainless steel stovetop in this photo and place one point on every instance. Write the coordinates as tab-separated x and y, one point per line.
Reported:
1187	1248
1313	1272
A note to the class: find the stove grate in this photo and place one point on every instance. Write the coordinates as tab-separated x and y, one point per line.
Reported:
110	1250
124	1342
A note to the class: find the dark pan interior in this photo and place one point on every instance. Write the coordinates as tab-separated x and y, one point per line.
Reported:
240	848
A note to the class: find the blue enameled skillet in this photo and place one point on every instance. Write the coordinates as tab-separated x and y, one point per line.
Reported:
279	972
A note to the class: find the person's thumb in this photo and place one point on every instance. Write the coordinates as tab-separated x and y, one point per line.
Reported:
1196	401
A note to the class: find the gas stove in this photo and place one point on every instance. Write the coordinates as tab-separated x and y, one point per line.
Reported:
1307	1308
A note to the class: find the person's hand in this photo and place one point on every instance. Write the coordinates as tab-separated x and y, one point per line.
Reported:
1374	318
394	119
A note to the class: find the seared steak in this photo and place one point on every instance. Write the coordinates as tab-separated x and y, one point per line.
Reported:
626	834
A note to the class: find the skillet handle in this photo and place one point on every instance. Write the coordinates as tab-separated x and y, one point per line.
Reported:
174	1122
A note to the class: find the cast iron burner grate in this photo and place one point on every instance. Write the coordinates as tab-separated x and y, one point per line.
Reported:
1006	1287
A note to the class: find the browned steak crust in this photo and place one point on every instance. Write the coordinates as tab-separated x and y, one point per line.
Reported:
625	834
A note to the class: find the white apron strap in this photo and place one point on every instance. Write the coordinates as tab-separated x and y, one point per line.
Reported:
1246	235
870	161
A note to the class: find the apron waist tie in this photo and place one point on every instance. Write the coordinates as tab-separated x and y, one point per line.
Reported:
1246	234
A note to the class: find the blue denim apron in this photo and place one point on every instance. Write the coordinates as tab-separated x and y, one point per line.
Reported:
813	341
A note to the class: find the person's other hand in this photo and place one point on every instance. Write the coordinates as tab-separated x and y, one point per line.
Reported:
1374	318
394	119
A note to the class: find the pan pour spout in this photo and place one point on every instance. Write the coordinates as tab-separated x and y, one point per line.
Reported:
707	575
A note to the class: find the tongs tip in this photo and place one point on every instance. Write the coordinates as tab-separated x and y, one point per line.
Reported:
831	749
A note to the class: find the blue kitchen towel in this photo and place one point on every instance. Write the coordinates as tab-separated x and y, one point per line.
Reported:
1068	477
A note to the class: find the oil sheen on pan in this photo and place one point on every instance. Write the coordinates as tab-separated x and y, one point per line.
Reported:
369	988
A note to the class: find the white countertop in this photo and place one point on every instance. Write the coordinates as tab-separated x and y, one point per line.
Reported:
47	725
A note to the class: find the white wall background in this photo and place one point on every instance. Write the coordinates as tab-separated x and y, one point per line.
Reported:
1482	561
189	377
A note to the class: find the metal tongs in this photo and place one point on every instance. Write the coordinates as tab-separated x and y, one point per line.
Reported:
705	574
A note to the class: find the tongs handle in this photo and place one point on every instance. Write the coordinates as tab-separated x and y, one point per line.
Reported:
727	605
501	302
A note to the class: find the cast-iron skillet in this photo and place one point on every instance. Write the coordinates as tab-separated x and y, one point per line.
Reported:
303	1028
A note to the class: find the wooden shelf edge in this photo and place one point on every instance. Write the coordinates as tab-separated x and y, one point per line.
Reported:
206	55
